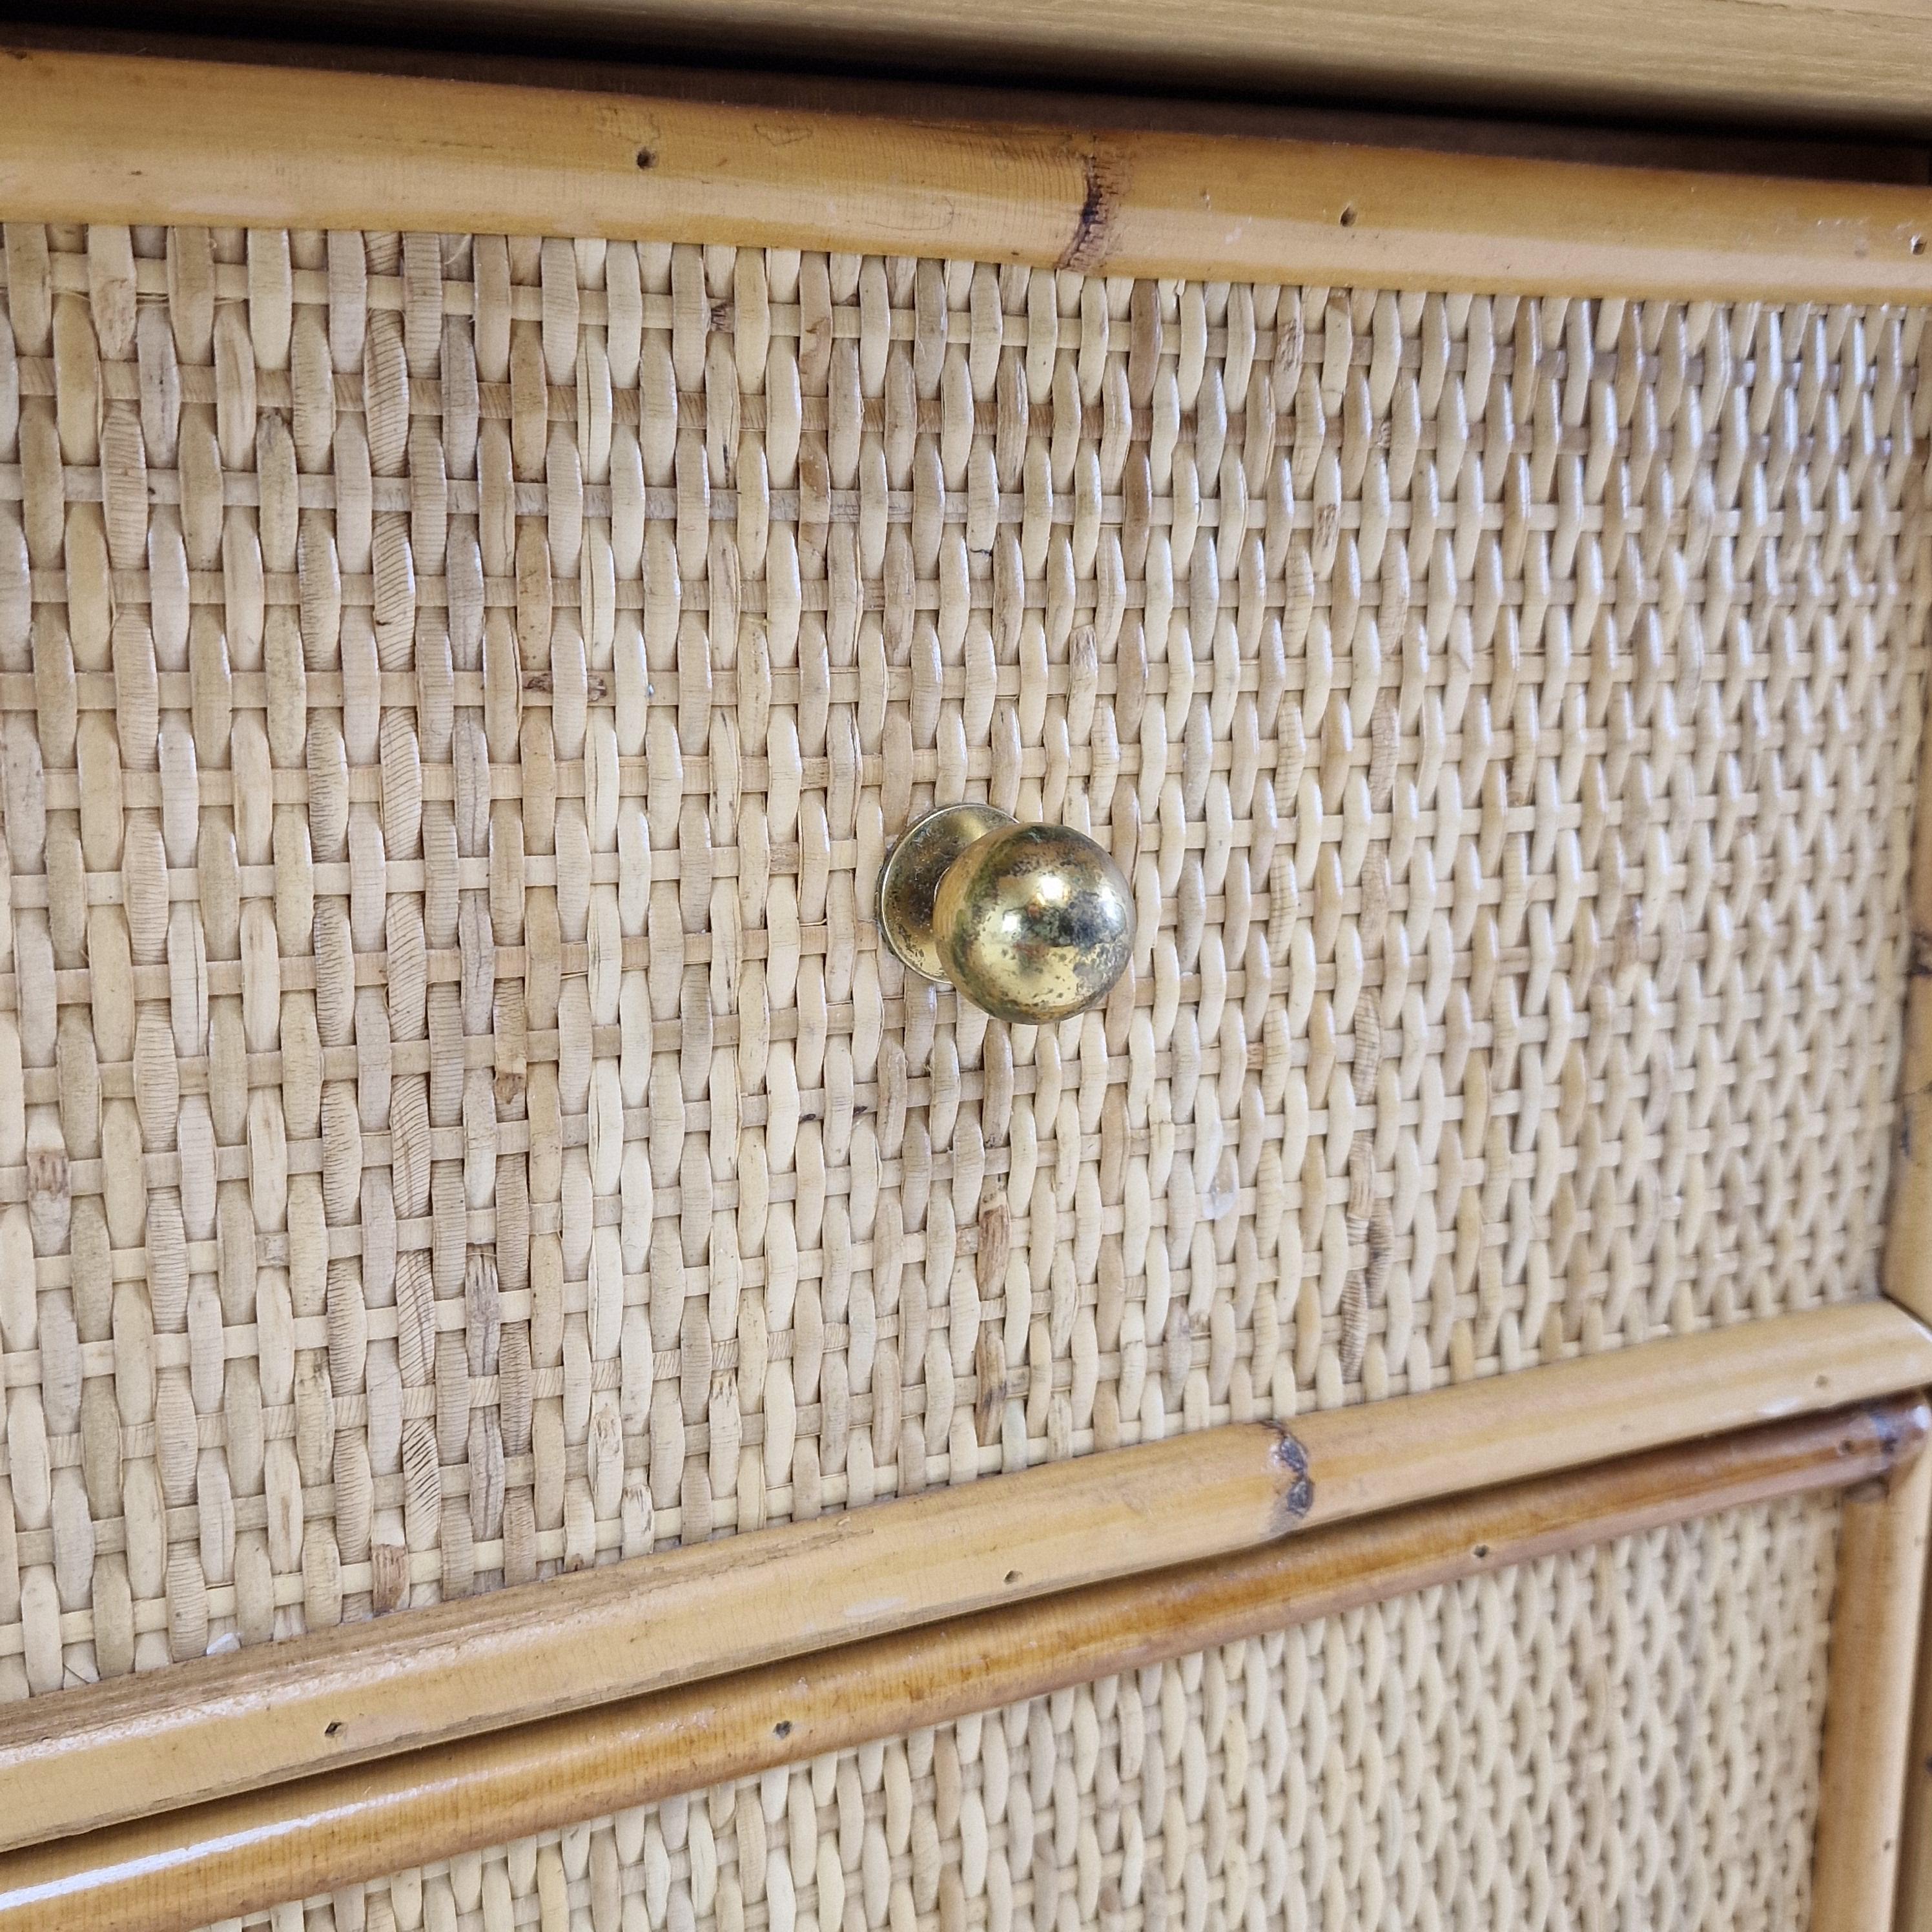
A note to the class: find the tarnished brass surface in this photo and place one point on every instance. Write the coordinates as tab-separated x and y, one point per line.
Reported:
909	879
1031	923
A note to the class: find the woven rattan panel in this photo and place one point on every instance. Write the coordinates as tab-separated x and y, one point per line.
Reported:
1627	1737
455	1120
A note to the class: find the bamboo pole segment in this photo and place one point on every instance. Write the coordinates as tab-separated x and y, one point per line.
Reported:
1908	1231
108	138
222	1724
317	1834
217	1726
1907	1278
1868	1701
1912	1911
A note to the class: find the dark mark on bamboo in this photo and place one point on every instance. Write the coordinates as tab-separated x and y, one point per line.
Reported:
1298	1499
1105	179
1900	1428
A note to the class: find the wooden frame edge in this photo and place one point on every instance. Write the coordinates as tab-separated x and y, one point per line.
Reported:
1519	128
1868	1705
110	137
89	1758
1907	1270
180	1869
1703	61
1911	1903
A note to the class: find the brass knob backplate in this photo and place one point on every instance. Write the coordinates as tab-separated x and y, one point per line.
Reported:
1031	923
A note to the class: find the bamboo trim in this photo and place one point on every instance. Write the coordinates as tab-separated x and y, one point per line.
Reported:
1912	1896
1907	1277
89	1758
108	138
312	1836
1868	1701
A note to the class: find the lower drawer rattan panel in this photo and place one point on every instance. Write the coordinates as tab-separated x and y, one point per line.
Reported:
1624	1736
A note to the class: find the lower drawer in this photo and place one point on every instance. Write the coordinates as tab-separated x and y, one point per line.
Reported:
1629	1735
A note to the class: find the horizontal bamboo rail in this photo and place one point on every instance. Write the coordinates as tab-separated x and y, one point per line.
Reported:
106	138
88	1758
315	1834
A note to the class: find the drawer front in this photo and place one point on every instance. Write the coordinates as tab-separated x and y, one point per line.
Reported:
457	1123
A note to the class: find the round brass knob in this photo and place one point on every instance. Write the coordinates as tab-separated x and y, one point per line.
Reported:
1031	923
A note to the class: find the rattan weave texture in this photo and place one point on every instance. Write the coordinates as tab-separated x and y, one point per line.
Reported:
1622	1737
456	1120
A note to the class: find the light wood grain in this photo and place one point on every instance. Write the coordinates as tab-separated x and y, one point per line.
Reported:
321	1833
222	1725
107	138
1853	155
1913	1898
1868	1708
1837	62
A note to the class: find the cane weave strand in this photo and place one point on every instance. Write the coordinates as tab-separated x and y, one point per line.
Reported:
1627	1737
456	1121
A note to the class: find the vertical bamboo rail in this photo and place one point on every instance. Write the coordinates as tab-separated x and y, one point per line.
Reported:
1913	1905
1868	1709
1908	1277
1908	1281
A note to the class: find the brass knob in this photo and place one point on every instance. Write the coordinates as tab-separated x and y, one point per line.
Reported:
1031	923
